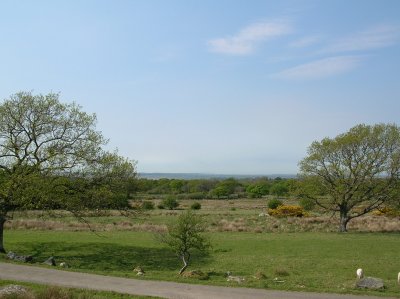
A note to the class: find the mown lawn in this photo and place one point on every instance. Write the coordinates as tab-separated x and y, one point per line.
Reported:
309	261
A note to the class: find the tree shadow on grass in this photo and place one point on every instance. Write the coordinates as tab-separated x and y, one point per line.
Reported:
107	257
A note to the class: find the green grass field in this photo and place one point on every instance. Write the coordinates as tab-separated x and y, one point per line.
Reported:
307	261
38	291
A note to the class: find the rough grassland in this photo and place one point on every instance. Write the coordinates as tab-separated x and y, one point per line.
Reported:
324	262
38	291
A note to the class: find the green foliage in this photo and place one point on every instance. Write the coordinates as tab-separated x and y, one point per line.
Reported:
279	188
147	205
170	202
220	192
257	190
359	170
176	186
52	157
225	188
195	206
307	203
197	195
186	236
274	203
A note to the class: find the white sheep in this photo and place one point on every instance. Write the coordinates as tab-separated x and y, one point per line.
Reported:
398	278
360	273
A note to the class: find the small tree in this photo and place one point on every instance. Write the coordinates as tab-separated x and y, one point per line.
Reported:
357	171
185	236
170	202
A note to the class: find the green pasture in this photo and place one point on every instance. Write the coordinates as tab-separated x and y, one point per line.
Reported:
43	291
308	261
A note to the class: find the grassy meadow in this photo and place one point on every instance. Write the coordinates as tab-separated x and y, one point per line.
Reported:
38	291
299	254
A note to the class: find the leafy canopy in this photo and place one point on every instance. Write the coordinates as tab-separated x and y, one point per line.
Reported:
358	170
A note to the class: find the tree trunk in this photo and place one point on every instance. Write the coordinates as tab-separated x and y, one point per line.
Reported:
2	221
185	263
344	219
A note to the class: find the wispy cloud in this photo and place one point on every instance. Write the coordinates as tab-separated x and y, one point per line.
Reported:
376	37
246	40
305	41
321	68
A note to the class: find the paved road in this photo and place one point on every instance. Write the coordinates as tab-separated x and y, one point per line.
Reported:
149	288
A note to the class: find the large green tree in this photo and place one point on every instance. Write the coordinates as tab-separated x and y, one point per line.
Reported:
51	156
355	172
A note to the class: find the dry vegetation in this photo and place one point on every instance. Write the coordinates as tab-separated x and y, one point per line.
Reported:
242	215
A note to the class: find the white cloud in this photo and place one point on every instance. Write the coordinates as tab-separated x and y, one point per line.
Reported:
305	42
374	38
245	41
321	68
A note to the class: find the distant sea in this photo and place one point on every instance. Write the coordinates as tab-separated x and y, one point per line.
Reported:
197	176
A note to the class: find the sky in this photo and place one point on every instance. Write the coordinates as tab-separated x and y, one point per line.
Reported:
222	87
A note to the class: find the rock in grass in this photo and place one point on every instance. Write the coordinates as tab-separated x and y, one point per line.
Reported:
64	265
20	258
237	279
11	255
370	283
12	290
139	271
50	261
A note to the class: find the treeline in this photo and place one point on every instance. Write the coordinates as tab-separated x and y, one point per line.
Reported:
218	189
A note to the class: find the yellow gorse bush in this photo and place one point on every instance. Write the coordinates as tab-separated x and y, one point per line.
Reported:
287	211
385	211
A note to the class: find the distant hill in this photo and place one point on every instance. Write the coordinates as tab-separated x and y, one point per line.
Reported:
196	176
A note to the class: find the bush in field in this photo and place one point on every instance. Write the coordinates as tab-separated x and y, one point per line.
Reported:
170	202
147	205
220	192
160	206
274	203
386	211
279	188
195	206
197	195
287	211
307	204
257	190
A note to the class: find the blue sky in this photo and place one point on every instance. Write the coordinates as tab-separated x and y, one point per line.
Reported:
234	87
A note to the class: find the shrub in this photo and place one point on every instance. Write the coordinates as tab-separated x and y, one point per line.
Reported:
160	206
170	202
147	205
197	195
388	212
307	204
274	203
287	211
195	206
181	196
